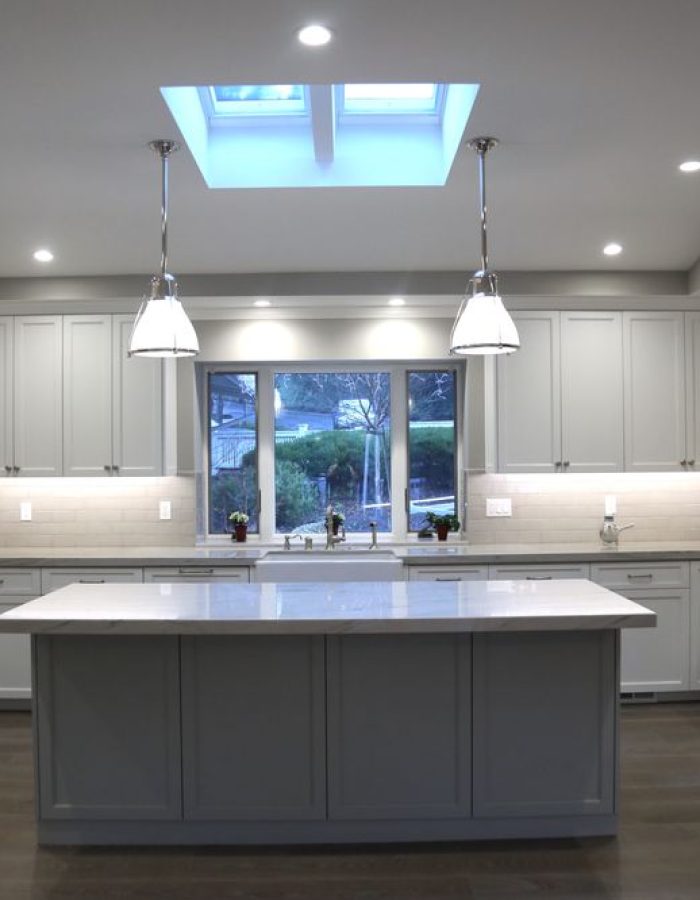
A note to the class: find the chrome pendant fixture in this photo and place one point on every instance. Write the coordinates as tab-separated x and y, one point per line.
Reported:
162	327
483	325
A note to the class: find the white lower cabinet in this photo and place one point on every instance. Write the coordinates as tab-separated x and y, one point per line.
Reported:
654	659
198	574
544	572
52	579
447	573
695	626
16	586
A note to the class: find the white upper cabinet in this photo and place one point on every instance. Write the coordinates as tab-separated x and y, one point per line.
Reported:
560	396
113	405
529	403
6	431
692	390
38	408
655	396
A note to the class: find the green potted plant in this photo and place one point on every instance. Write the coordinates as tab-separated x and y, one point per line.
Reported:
338	520
239	521
442	524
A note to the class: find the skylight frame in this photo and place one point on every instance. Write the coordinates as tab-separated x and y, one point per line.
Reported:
395	112
230	113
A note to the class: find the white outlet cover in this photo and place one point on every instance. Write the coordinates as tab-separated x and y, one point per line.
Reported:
165	510
25	511
499	506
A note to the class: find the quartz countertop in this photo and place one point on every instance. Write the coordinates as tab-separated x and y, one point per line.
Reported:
320	608
417	553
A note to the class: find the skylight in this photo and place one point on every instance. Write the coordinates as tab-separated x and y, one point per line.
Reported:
257	99
390	99
322	135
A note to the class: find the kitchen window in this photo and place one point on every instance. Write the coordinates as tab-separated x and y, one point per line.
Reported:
378	442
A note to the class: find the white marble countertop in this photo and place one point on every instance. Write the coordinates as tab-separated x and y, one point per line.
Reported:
318	608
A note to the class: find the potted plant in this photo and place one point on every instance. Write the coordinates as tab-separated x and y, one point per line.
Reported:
240	526
338	520
442	524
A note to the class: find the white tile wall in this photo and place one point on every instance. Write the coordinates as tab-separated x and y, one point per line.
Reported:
569	508
96	512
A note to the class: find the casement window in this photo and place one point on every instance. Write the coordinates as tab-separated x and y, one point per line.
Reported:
380	443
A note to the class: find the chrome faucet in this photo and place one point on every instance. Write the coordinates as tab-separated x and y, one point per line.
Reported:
373	532
332	539
610	530
290	537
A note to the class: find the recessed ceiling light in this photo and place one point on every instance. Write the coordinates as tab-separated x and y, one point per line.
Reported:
43	256
612	249
397	301
314	35
261	303
690	165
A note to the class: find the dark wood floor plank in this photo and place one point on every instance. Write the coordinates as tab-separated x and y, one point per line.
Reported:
655	857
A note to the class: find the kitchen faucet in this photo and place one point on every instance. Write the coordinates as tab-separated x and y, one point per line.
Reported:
332	539
373	531
290	537
610	530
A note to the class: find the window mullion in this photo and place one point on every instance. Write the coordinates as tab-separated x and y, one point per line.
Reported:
266	451
399	452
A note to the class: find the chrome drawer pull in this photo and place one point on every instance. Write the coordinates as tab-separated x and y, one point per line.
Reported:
195	571
538	578
645	577
89	581
454	578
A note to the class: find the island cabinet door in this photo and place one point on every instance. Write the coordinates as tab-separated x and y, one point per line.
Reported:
399	726
253	727
108	727
544	723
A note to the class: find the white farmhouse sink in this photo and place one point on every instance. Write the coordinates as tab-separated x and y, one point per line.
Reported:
324	565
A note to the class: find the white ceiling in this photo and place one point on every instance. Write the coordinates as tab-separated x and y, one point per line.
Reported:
595	104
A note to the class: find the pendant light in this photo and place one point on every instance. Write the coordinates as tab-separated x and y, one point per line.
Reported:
483	325
162	327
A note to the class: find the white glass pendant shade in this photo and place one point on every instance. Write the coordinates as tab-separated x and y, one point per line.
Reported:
483	326
162	327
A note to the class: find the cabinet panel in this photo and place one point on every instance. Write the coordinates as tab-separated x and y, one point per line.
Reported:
137	411
52	579
253	721
6	386
415	762
198	574
15	661
448	573
524	763
529	406
641	575
539	573
109	710
695	627
591	391
87	395
692	388
658	659
655	438
38	383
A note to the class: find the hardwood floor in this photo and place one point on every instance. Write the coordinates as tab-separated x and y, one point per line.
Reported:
655	857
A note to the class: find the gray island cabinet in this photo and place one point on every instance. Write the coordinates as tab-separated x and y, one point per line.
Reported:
269	713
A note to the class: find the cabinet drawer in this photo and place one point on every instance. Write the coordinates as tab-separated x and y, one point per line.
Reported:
640	575
540	573
52	579
198	574
22	582
448	573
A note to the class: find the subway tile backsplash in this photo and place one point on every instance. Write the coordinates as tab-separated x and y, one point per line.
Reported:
97	512
108	512
664	506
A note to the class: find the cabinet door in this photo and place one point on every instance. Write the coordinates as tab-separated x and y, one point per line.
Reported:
591	391
529	408
654	391
547	572
448	573
253	727
137	418
15	662
399	726
658	659
695	627
87	395
197	574
53	579
692	386
6	435
38	412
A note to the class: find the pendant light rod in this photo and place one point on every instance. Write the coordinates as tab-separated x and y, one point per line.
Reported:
482	145
164	149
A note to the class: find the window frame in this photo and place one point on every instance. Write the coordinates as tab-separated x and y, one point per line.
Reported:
265	433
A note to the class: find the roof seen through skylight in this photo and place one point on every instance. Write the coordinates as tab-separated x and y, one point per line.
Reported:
257	99
390	98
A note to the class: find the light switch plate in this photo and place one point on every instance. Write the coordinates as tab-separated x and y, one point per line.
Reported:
498	506
165	509
25	511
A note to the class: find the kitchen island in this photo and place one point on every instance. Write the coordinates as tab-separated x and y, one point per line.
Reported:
273	713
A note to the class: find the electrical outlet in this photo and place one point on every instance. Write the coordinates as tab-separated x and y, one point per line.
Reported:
498	506
165	510
25	511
